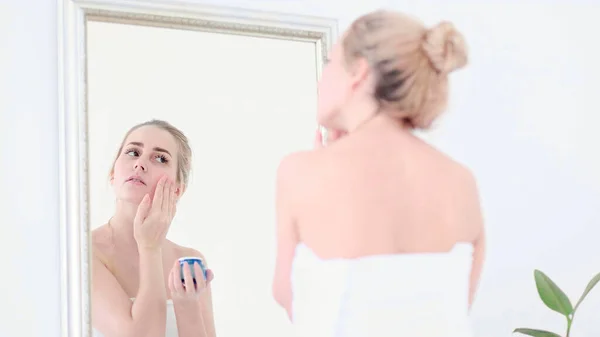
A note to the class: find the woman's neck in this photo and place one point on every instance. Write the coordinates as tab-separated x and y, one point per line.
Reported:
381	121
359	114
121	223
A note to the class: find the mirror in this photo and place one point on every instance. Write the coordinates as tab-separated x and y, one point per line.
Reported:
242	89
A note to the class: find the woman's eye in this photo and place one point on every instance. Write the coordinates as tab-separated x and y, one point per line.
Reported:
162	159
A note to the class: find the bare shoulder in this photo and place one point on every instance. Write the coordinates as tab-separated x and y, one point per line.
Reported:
181	251
462	182
294	165
467	184
454	170
466	179
295	161
459	171
99	233
101	241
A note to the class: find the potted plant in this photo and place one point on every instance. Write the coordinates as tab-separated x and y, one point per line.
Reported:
555	299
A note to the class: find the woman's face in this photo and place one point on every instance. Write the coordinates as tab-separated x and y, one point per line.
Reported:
341	88
334	89
148	153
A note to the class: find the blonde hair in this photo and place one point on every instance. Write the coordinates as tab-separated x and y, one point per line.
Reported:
411	63
184	157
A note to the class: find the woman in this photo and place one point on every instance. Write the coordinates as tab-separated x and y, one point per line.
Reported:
136	284
378	233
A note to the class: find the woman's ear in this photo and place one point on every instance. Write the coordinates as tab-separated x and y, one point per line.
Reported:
360	72
180	190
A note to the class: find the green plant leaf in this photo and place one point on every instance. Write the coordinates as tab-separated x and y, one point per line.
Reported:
551	295
589	288
536	333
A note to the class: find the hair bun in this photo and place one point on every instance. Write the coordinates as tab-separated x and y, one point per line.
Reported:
445	47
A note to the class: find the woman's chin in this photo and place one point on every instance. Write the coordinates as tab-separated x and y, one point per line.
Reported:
132	198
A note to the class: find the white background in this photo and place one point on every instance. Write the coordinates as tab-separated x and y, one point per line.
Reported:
523	118
206	85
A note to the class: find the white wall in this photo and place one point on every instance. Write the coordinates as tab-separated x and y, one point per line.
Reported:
29	236
523	117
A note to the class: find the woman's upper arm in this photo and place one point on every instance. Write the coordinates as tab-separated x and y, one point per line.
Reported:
475	221
287	236
477	266
111	307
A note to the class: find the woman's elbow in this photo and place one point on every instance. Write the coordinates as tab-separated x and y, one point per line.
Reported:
276	293
281	296
146	327
284	299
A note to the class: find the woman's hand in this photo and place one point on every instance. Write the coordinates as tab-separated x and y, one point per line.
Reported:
188	290
332	136
152	220
192	301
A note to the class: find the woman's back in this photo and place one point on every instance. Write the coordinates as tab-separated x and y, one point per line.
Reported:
382	190
387	226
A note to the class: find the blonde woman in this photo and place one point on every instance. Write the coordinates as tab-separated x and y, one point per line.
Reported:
379	233
137	290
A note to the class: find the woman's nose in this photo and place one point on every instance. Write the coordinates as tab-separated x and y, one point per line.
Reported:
139	165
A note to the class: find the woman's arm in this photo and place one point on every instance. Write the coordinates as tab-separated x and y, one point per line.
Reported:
475	220
478	259
113	312
287	236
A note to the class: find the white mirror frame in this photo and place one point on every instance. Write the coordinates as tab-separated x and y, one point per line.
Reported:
72	118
